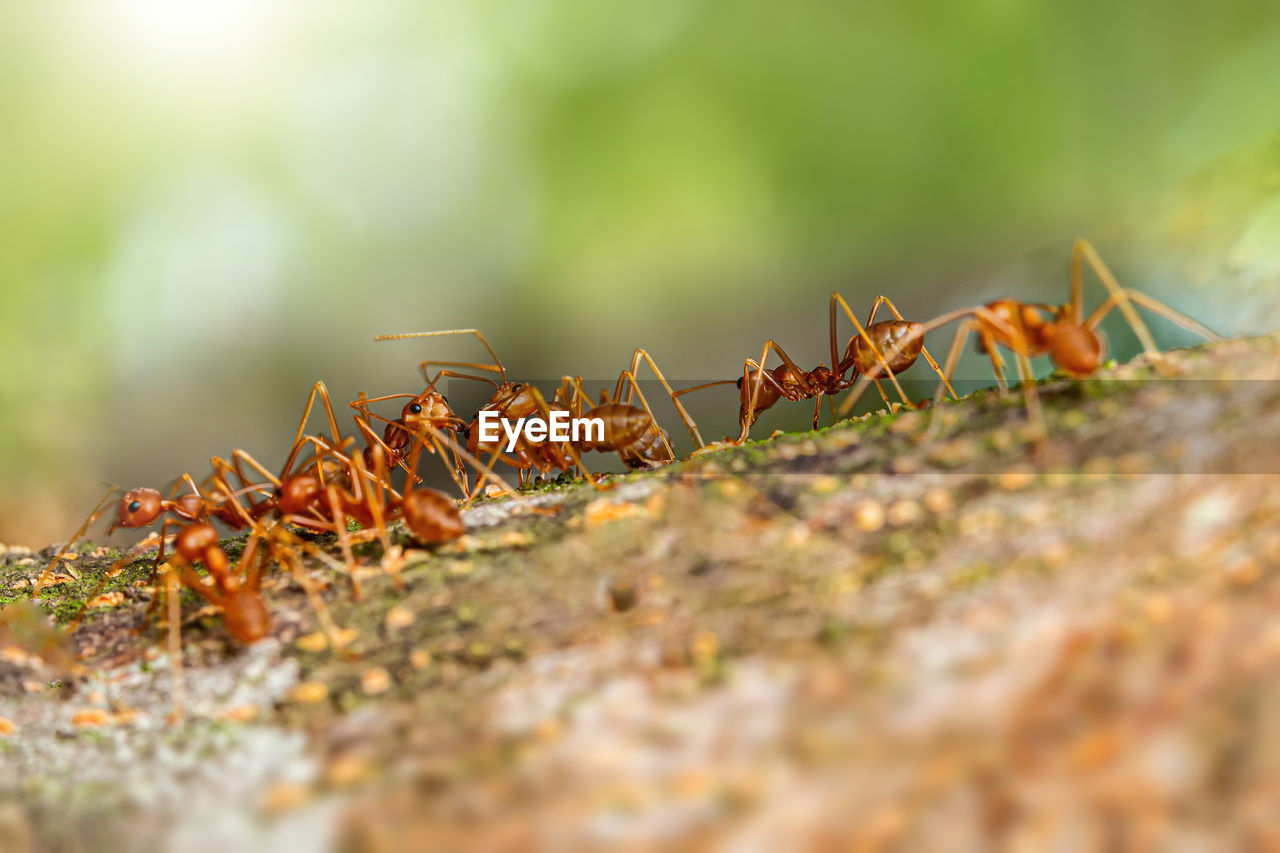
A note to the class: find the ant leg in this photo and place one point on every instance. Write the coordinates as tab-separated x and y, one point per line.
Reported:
748	417
866	338
997	362
240	456
689	423
98	512
1082	249
375	503
496	367
344	541
174	600
1156	307
888	404
704	386
953	359
453	374
317	389
634	386
485	472
1031	398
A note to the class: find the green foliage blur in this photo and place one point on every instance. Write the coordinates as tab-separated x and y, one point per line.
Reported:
207	206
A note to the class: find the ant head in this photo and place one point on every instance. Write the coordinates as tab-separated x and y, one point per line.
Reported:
427	407
138	508
1076	348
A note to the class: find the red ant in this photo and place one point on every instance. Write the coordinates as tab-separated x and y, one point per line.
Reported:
1061	332
142	507
760	388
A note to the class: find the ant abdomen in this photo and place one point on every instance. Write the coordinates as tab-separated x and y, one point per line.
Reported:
888	336
1076	349
623	426
245	616
431	516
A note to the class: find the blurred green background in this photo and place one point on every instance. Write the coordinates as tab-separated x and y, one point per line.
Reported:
206	205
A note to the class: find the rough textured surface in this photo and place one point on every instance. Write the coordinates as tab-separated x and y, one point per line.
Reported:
849	638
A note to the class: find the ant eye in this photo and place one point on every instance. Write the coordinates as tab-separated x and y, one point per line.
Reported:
517	388
415	408
135	506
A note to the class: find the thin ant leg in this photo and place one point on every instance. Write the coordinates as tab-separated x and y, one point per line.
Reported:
924	350
361	402
344	540
704	386
630	377
423	365
240	456
496	367
316	389
762	376
689	422
172	593
836	298
374	503
98	512
1031	397
888	404
485	473
1157	307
